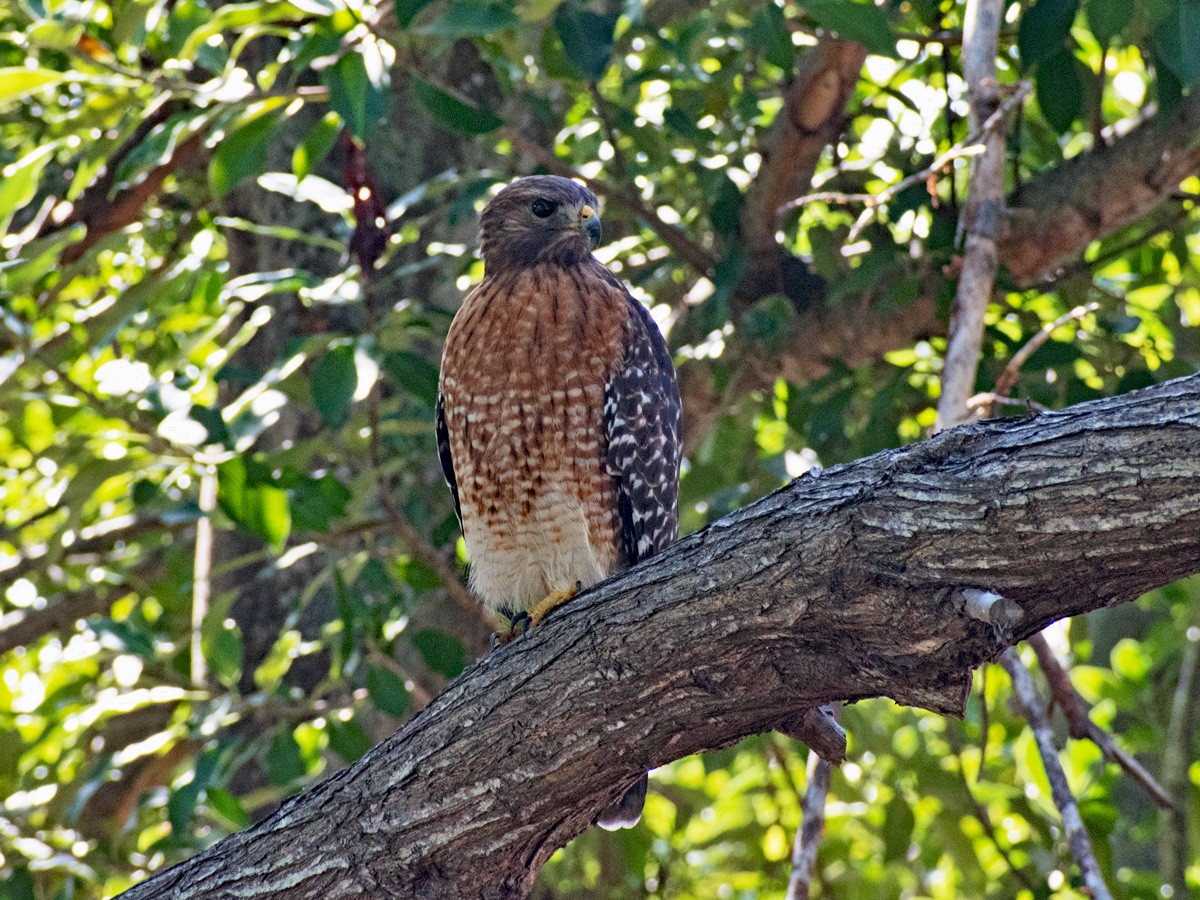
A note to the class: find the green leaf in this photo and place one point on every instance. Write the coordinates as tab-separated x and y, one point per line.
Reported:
224	655
387	691
19	181
452	112
769	33
1107	18
587	38
243	151
226	804
247	495
1059	90
182	804
334	380
348	739
358	84
413	373
285	763
1177	42
862	22
406	10
898	822
315	501
1044	30
19	82
316	145
442	652
471	18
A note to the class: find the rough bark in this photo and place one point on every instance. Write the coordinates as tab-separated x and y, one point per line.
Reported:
840	586
1052	218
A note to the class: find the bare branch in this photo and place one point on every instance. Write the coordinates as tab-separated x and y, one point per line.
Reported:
1080	724
1078	839
1008	378
1181	732
985	200
812	826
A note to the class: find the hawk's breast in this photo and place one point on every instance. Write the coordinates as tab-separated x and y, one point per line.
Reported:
523	379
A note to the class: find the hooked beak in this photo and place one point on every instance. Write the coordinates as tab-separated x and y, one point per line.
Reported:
589	223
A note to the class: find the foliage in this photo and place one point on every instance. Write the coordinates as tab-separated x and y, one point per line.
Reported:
235	235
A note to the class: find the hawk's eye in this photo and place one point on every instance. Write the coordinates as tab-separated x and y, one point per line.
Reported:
542	208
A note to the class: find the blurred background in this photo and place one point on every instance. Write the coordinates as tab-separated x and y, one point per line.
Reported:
234	235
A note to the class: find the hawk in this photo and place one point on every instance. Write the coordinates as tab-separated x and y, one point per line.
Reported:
557	415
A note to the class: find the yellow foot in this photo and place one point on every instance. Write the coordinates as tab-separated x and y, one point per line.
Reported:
551	602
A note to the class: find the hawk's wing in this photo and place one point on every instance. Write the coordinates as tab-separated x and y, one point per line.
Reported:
641	422
443	446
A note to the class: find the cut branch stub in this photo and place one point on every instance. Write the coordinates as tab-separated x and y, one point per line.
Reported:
840	586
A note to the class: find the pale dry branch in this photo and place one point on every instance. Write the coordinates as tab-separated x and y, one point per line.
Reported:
1034	710
985	201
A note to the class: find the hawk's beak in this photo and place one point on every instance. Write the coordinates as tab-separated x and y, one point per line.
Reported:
589	222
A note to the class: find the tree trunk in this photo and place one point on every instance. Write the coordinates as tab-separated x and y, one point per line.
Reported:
845	584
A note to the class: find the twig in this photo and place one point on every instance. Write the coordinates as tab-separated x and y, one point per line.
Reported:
985	201
1173	827
420	694
812	825
683	246
983	404
1078	839
1008	377
24	626
1080	725
620	169
990	607
202	570
968	147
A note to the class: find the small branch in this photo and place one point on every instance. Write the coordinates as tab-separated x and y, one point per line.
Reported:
1078	839
974	145
812	826
1173	827
620	169
984	404
1080	724
24	626
1008	378
202	570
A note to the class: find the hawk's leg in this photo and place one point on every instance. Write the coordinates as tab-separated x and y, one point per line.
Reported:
551	602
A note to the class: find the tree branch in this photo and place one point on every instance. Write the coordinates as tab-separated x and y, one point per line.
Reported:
985	202
1053	218
1078	839
840	586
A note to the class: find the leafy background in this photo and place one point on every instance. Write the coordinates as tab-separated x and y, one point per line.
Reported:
234	236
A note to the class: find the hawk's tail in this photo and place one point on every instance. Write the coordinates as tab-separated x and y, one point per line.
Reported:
626	811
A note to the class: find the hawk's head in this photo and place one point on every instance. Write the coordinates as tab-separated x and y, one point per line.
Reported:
540	219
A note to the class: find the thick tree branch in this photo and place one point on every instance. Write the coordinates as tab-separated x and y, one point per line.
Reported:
813	115
1053	217
840	586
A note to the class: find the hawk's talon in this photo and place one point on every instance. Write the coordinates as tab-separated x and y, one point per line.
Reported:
518	624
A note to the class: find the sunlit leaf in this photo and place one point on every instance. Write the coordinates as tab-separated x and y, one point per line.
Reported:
855	21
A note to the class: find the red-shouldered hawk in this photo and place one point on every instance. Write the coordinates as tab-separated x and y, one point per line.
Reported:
557	416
